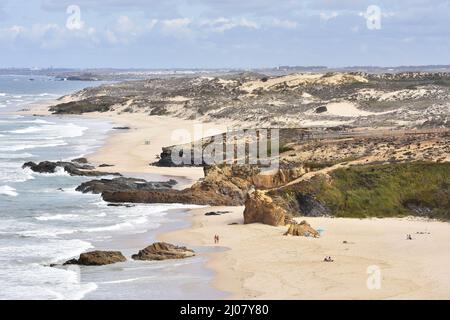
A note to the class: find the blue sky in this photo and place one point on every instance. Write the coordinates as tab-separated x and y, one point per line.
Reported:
222	33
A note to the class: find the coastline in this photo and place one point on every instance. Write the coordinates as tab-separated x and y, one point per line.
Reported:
132	150
257	262
132	160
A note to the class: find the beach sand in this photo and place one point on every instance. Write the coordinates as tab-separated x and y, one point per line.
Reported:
131	151
259	262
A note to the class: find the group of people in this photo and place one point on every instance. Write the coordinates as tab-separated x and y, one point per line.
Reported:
216	239
328	259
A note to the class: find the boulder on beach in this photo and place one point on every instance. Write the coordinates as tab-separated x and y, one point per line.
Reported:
302	229
260	208
163	251
216	213
98	258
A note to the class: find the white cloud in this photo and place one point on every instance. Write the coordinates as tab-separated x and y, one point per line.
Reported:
176	27
11	33
225	24
325	16
46	35
151	24
125	30
285	24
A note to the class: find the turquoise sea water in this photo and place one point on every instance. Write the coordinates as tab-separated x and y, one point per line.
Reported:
43	220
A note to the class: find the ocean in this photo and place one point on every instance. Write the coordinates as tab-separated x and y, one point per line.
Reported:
44	221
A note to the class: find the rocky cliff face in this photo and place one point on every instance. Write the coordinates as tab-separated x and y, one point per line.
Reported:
222	186
260	208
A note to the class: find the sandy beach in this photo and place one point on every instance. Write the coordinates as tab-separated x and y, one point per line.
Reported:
131	151
258	262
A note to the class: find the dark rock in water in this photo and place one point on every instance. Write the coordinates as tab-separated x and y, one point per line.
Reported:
97	258
73	168
121	128
163	251
121	205
71	261
104	165
321	109
216	213
123	184
80	160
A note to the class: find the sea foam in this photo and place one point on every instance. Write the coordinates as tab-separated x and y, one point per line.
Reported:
8	191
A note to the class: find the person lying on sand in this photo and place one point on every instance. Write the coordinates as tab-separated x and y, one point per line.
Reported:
328	259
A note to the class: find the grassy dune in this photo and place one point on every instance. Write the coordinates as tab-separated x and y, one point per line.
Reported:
421	189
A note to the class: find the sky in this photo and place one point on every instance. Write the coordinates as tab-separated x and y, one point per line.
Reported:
223	33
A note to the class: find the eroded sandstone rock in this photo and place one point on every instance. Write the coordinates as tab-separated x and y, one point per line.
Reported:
302	229
97	258
261	208
163	251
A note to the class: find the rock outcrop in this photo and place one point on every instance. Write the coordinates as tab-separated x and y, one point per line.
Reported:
98	258
80	160
163	251
186	196
123	184
302	229
222	186
72	168
259	208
